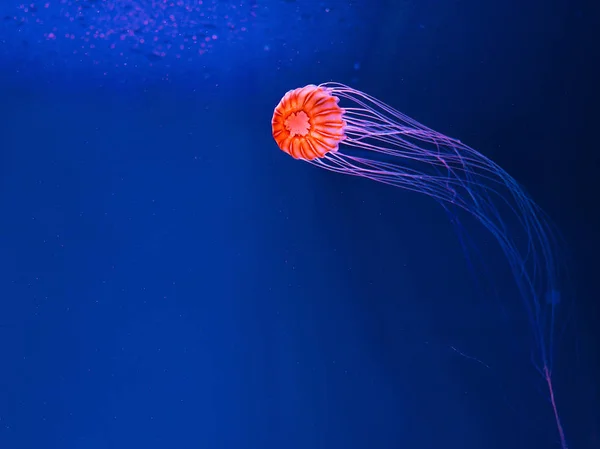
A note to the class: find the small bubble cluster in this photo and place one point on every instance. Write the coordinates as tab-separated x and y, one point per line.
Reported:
153	29
163	39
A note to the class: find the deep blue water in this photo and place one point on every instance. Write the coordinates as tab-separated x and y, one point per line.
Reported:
170	279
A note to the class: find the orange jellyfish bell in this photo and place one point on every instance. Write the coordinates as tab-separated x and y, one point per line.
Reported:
308	123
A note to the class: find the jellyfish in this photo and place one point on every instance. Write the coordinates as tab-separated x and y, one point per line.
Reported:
343	130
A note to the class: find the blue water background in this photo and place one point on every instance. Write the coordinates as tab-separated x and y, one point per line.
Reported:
170	279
